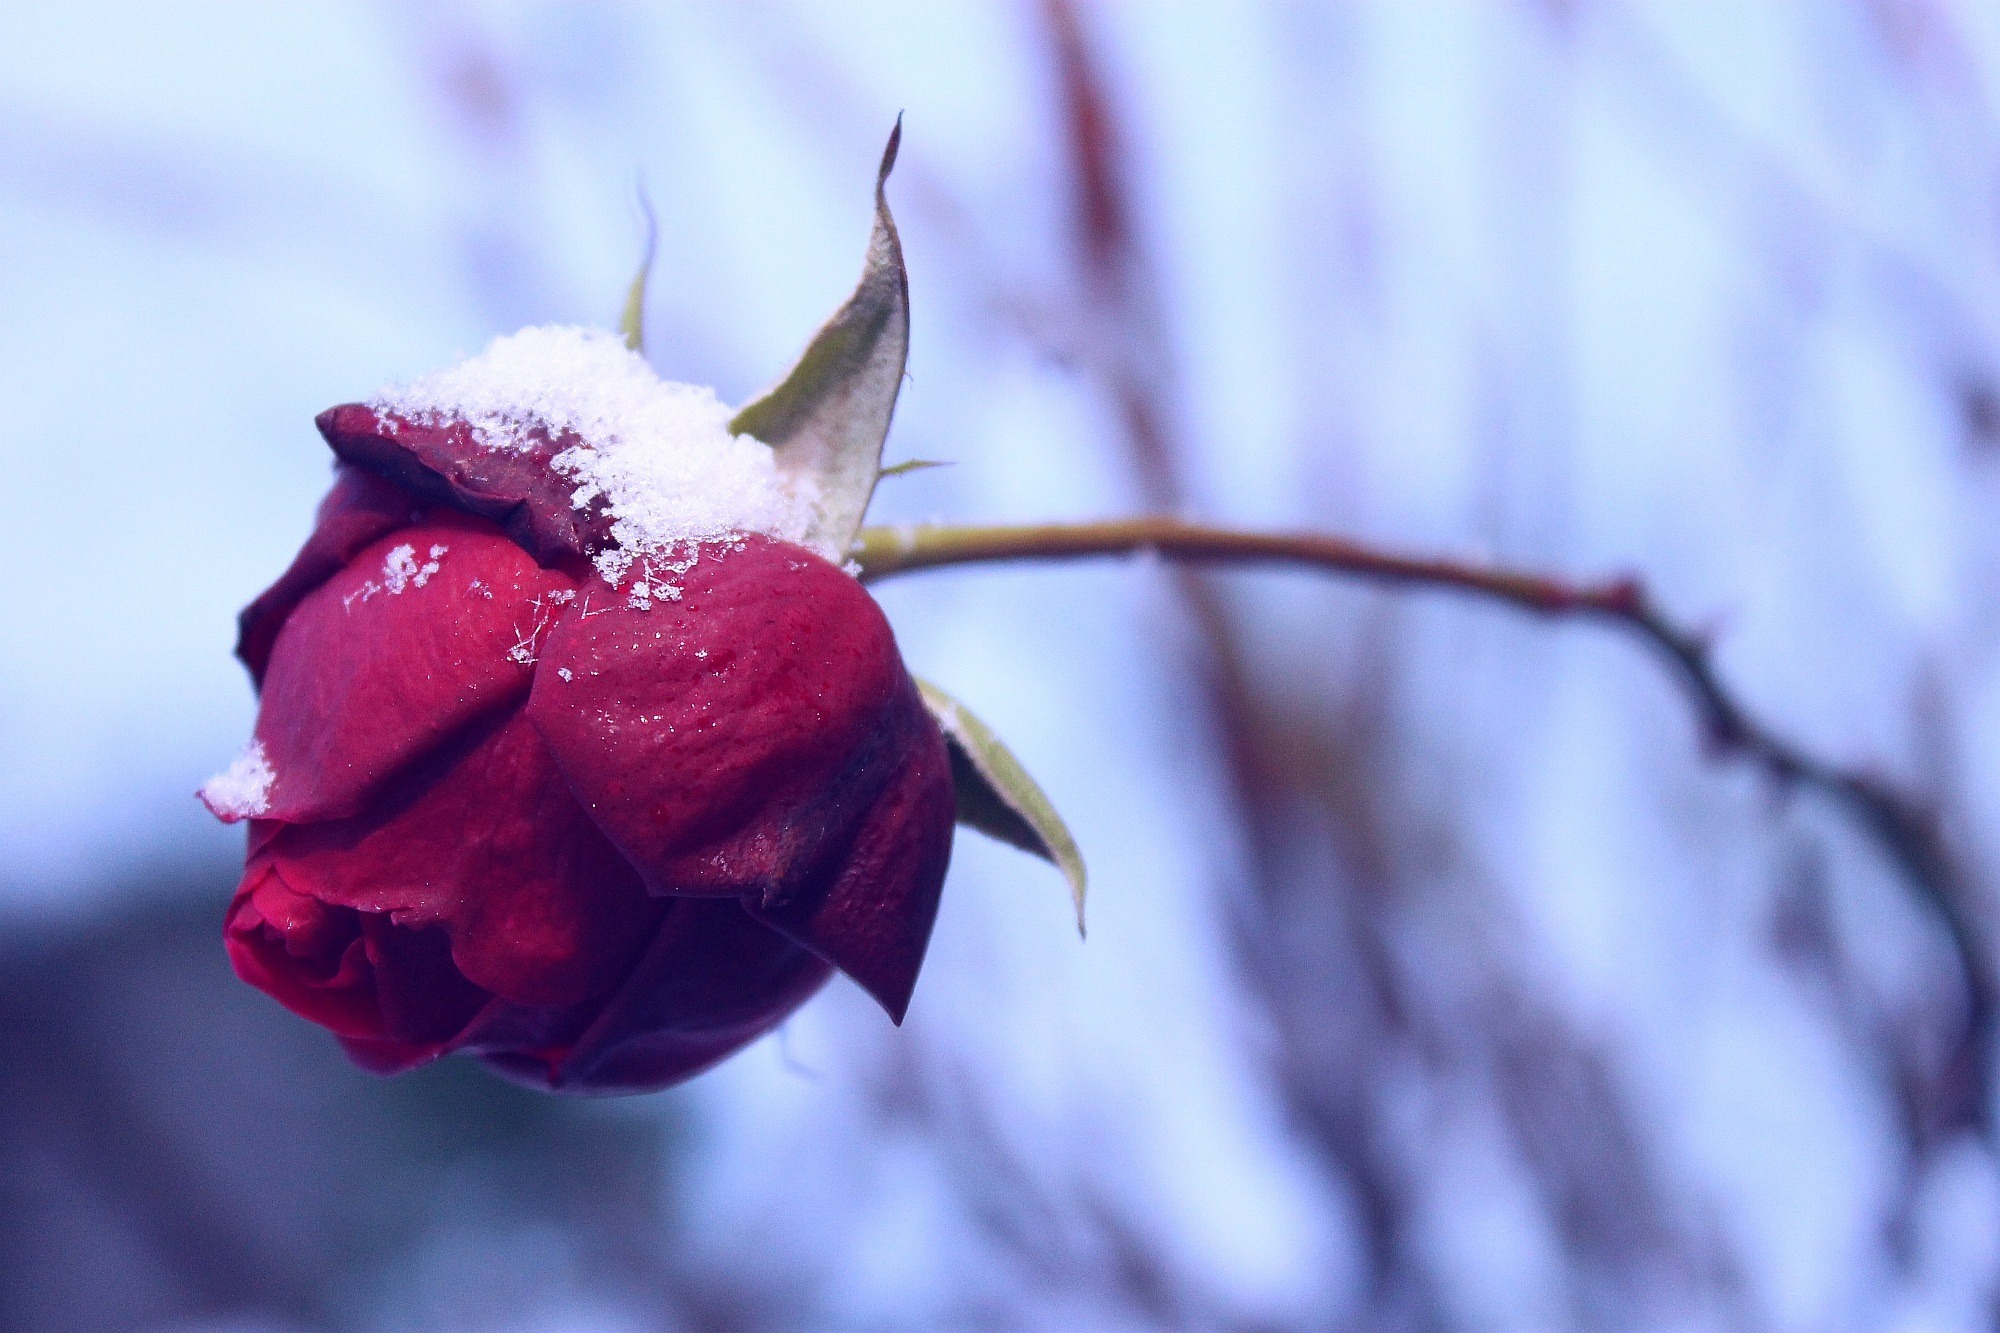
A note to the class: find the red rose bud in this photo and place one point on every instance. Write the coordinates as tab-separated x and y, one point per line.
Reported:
557	762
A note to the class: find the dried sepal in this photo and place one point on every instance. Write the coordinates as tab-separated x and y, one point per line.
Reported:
632	320
827	418
996	795
910	465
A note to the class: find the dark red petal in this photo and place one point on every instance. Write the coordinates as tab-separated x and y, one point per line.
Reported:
423	998
484	840
387	1056
360	507
712	981
390	994
514	487
726	742
873	919
540	1035
262	831
305	955
364	680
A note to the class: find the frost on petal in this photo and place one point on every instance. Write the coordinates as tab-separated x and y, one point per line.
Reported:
361	508
399	567
363	681
443	462
760	737
740	770
570	441
243	790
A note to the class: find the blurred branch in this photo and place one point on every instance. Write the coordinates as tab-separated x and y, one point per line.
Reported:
1339	1028
1118	279
886	551
1902	827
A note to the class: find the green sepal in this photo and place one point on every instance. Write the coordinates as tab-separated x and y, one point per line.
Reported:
827	418
632	320
913	465
996	795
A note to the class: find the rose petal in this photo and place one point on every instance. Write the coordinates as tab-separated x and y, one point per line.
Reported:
389	993
727	741
423	998
483	839
386	1056
363	679
360	507
515	487
712	981
873	921
307	956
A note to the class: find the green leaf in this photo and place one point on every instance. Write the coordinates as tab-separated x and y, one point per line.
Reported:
912	465
996	795
632	322
827	418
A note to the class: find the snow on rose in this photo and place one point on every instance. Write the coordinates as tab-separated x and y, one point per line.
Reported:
578	749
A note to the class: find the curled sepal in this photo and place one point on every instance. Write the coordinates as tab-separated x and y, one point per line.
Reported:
996	795
910	465
828	417
632	320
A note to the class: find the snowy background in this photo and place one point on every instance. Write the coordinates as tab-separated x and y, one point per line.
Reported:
1436	978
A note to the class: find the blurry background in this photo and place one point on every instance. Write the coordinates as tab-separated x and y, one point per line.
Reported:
1436	979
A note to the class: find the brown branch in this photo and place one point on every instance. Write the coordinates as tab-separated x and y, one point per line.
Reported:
1902	827
1122	346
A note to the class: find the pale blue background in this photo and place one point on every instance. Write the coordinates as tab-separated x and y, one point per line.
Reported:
1702	291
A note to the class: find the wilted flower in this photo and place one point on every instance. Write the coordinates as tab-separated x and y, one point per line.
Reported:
600	834
577	748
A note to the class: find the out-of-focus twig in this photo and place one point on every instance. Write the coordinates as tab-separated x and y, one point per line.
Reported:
884	551
1111	260
1119	341
1899	825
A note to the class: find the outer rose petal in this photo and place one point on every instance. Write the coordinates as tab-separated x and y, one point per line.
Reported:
387	1057
874	920
711	982
422	997
360	507
727	742
760	737
443	866
306	955
355	973
363	680
516	488
484	839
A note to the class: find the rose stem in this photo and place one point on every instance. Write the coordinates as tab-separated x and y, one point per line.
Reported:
1904	829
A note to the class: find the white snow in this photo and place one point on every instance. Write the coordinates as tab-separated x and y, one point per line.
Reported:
659	454
243	790
400	569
